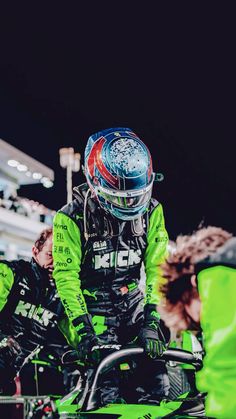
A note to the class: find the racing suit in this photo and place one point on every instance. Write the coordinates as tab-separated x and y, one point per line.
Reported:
217	289
97	263
29	311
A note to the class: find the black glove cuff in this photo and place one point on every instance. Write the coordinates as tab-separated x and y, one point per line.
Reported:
151	314
152	321
84	318
83	324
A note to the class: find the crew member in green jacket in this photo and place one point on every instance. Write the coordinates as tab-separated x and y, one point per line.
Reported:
30	310
200	292
101	239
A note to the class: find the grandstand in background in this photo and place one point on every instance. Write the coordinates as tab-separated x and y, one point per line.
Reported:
21	219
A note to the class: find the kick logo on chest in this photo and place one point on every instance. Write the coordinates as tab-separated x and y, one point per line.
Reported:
120	258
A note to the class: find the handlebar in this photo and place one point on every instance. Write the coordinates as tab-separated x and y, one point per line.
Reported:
120	355
173	354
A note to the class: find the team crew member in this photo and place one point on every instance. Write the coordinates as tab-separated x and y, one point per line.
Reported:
200	292
29	309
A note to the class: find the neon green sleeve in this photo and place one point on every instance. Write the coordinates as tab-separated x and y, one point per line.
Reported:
217	290
6	282
155	254
69	332
67	260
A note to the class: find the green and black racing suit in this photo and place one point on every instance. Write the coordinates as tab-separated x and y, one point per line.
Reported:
97	265
29	311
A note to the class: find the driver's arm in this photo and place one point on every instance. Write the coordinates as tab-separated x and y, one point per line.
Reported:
67	261
155	254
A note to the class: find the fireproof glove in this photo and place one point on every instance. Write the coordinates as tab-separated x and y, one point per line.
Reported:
150	335
87	336
9	347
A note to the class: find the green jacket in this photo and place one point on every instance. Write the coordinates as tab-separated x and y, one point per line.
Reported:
95	273
217	289
30	307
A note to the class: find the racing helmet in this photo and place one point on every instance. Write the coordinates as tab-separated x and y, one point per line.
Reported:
118	169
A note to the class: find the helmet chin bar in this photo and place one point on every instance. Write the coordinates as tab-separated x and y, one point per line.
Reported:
136	222
124	214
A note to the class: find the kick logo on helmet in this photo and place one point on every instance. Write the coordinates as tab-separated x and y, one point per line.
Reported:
118	169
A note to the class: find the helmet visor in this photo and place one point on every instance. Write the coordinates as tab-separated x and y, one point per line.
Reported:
127	202
126	199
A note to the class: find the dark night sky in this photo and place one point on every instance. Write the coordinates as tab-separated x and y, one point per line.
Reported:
67	72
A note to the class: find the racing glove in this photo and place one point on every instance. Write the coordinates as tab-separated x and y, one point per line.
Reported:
9	347
87	337
150	335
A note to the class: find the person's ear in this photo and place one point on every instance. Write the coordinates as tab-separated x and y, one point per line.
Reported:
35	251
194	281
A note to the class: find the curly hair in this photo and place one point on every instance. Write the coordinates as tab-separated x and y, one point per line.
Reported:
44	235
180	264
